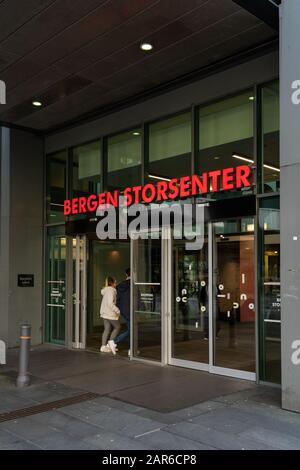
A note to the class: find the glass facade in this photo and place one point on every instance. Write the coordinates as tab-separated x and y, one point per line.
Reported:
226	136
170	148
124	160
270	138
56	191
86	177
223	135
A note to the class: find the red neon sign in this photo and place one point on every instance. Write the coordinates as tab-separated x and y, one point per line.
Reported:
186	186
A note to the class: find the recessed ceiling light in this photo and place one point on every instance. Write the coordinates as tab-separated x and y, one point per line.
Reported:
37	103
136	133
251	98
146	46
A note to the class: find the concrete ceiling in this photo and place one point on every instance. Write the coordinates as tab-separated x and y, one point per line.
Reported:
83	56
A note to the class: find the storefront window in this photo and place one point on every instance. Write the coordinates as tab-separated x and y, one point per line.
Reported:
270	137
226	136
55	286
270	300
124	155
170	148
56	186
86	169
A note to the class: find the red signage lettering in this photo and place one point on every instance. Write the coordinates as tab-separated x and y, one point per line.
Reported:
186	186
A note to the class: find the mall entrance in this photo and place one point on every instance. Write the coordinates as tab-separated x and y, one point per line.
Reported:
190	307
196	308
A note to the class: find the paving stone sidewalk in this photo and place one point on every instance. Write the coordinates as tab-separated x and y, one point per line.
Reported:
246	419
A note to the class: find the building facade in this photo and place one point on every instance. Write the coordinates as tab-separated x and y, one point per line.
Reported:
230	306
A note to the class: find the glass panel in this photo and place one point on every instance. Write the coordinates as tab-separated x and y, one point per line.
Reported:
270	300
55	287
147	298
233	301
226	137
106	259
190	323
86	169
170	147
270	123
56	186
124	160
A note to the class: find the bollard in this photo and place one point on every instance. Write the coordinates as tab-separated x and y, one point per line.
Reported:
25	337
2	352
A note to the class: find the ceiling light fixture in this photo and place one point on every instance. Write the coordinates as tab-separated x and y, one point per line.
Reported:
136	133
248	160
37	103
251	98
244	159
146	46
162	178
272	168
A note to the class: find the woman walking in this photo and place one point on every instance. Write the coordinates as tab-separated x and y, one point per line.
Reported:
110	314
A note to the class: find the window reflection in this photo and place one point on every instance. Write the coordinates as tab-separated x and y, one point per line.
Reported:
56	186
86	169
270	151
124	160
270	290
170	148
226	136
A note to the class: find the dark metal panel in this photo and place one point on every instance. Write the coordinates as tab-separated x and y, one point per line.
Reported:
68	39
99	40
13	16
50	21
60	90
134	29
263	9
175	41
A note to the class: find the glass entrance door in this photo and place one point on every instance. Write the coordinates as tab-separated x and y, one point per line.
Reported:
233	297
190	306
212	298
56	288
147	299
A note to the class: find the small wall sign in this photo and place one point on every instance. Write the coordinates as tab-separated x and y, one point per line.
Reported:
25	280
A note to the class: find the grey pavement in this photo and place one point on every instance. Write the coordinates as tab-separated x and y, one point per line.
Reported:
154	409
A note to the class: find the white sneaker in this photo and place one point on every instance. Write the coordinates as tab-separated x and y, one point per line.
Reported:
105	349
112	346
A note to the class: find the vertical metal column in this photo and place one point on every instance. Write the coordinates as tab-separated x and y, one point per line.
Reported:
77	291
83	318
211	292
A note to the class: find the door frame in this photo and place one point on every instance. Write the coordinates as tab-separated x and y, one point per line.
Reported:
166	260
209	367
78	316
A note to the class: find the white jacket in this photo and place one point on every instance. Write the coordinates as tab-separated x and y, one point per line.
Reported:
108	308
